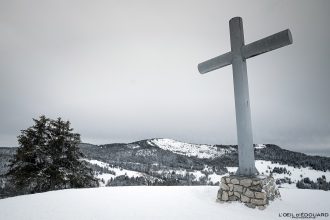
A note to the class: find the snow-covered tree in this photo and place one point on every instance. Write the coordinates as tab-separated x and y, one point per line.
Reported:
48	158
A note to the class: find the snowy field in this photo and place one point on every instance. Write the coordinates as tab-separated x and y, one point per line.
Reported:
156	202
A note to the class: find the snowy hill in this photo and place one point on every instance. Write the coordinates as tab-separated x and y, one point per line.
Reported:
157	202
264	167
169	162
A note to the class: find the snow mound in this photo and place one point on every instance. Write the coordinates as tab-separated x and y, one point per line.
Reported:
190	150
157	202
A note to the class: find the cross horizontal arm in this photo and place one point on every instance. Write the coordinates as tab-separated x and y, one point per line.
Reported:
215	63
266	44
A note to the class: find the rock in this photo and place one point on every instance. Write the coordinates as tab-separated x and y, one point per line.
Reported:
255	182
250	205
260	195
233	198
224	196
277	194
245	198
258	201
249	193
256	188
219	194
261	207
231	186
246	182
234	181
237	194
224	186
230	193
227	180
223	179
238	188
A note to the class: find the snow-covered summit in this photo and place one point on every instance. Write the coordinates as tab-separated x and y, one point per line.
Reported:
193	150
190	150
259	146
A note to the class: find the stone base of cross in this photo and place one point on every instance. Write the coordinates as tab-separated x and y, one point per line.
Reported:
237	58
254	192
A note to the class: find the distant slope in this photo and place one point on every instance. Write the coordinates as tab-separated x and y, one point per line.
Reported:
169	162
169	152
6	153
178	163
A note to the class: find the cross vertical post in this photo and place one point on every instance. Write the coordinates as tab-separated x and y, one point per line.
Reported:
242	102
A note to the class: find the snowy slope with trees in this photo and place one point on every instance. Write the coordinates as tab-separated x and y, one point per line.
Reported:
286	176
169	162
157	202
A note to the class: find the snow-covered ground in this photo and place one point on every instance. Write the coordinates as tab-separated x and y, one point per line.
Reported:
154	202
190	150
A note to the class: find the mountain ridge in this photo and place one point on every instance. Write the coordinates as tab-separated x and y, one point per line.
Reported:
163	161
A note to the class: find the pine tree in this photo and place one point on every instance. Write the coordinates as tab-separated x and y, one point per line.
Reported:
48	158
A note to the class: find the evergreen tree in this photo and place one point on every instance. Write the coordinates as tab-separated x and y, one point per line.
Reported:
48	158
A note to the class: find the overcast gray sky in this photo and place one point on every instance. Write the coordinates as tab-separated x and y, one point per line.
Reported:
122	71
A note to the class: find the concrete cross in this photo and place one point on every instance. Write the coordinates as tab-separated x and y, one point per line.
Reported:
237	57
